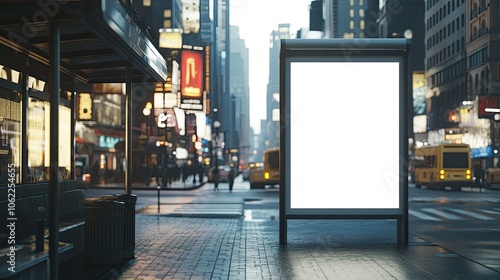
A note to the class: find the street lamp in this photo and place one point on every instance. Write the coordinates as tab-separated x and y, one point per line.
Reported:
147	113
147	109
216	126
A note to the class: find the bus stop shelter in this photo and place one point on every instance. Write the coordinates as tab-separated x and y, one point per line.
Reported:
68	43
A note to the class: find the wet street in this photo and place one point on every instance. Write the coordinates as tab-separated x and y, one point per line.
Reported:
452	226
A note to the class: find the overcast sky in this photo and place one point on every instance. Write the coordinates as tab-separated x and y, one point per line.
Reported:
256	20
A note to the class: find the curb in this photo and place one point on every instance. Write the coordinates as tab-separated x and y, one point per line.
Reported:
187	188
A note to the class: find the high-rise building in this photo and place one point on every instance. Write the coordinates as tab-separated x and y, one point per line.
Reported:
316	21
445	66
185	32
349	19
405	19
205	22
270	132
239	90
220	68
160	14
482	29
461	71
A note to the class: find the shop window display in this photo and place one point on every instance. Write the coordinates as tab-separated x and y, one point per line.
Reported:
39	141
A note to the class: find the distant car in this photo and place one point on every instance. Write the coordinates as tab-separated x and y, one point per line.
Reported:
223	173
246	173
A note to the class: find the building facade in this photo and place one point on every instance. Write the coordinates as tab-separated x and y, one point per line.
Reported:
480	124
240	96
405	19
461	72
350	19
270	132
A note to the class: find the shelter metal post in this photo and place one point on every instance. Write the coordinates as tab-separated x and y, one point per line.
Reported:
24	116
54	91
128	130
73	123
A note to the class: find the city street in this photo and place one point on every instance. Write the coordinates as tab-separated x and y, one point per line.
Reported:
463	222
96	94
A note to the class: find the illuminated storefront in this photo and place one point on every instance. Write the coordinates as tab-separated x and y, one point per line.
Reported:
10	125
41	72
38	134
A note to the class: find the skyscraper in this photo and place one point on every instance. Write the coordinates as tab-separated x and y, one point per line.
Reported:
350	19
270	132
239	90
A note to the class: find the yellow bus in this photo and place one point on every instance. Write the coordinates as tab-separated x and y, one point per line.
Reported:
269	174
443	165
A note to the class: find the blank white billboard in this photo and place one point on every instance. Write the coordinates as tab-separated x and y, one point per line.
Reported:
344	134
344	107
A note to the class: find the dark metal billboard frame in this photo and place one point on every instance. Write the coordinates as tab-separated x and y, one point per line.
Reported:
343	49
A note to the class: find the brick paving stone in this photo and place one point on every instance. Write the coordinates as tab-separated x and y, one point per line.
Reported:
228	248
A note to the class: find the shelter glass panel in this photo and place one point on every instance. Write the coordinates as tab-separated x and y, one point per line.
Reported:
10	136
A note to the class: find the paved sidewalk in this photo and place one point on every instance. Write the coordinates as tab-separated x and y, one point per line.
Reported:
212	237
176	185
201	207
235	248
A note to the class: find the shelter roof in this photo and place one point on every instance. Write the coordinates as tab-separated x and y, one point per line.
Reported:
98	39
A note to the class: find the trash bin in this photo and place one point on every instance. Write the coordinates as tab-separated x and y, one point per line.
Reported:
104	222
129	224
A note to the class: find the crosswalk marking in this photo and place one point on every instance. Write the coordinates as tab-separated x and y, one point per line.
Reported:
422	216
489	211
471	214
442	214
454	199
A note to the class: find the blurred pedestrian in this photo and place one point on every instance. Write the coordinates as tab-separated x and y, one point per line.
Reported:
230	178
193	171
147	173
159	176
94	176
185	173
201	173
166	180
216	178
477	173
156	174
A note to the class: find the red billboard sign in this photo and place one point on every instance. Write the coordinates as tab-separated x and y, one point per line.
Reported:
192	74
192	77
488	106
